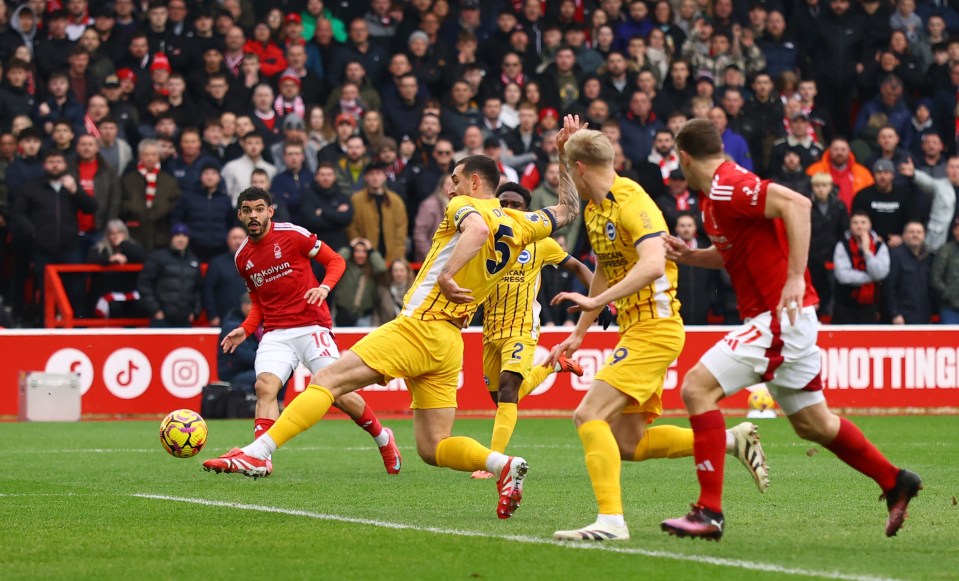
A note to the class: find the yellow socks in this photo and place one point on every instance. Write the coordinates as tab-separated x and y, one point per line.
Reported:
503	426
461	453
308	408
664	442
603	465
537	376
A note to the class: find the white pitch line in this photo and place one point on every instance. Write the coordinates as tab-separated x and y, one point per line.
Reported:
717	561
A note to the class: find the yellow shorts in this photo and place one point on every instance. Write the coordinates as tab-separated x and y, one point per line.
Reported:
427	354
511	354
638	364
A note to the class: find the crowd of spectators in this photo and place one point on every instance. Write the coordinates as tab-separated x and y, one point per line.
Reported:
128	129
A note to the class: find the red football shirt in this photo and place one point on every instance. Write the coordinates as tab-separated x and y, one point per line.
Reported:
277	272
754	248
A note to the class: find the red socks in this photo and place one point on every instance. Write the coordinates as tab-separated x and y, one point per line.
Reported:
260	426
852	447
368	422
709	451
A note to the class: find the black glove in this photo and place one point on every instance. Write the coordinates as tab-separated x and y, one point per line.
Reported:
605	317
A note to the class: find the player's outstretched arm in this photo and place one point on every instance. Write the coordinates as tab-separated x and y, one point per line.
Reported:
568	208
473	235
794	210
579	270
678	252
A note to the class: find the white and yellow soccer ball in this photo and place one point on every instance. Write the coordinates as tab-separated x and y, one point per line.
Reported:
183	433
761	400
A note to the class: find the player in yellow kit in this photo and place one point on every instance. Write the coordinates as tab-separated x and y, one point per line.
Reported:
625	229
473	248
511	325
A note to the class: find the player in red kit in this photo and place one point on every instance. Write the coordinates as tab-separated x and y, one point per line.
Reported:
274	261
760	233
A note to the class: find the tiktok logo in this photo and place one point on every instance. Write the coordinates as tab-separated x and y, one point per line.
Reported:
127	373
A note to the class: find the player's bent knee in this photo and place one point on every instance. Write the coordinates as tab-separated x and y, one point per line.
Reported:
267	388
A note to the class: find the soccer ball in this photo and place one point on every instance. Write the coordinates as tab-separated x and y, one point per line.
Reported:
760	399
183	433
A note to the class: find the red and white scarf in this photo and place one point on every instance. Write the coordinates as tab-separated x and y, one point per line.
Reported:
103	304
284	107
150	175
667	163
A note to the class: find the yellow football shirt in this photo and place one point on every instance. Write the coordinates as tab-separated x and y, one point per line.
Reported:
510	233
625	218
511	310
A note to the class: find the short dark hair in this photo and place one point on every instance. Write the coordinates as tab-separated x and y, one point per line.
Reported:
482	165
53	152
860	213
252	134
252	194
516	188
699	139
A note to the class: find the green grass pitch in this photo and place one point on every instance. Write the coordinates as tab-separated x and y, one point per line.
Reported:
102	500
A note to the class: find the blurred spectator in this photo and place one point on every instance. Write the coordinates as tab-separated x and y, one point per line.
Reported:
836	43
148	196
887	141
944	278
792	174
829	223
639	127
293	179
766	110
236	174
697	286
45	213
839	162
115	151
429	216
906	292
60	103
679	200
379	215
890	103
861	262
325	209
801	139
237	368
223	285
392	290
942	192
170	283
423	178
207	212
191	161
733	144
664	153
888	205
356	295
350	168
114	294
99	180
345	127
931	159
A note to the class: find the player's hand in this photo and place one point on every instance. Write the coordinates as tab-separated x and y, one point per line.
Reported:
233	340
792	298
564	349
580	302
453	292
676	249
570	126
316	296
605	317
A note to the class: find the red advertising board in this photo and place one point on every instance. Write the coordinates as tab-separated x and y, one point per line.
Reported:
153	372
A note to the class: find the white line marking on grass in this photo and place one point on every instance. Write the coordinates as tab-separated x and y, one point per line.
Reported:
718	561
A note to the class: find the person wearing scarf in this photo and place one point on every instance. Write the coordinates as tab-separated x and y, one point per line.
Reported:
861	262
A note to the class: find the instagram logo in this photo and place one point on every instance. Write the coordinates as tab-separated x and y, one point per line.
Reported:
184	372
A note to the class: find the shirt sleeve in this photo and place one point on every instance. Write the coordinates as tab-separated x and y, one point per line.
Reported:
742	196
458	209
641	218
532	226
553	253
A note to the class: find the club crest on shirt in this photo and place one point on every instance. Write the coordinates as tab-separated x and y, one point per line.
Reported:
277	252
524	257
610	231
532	217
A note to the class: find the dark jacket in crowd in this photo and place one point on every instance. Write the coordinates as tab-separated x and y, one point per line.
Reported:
48	217
289	188
106	189
906	291
187	175
327	212
222	287
697	291
236	366
148	226
209	215
170	282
